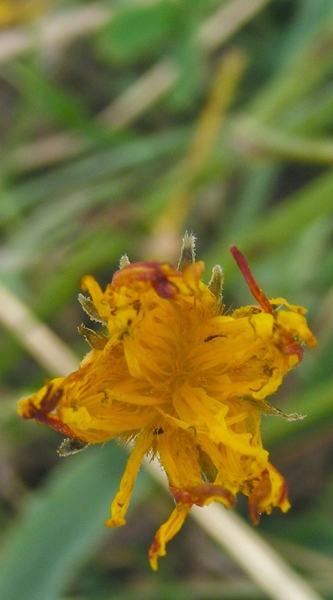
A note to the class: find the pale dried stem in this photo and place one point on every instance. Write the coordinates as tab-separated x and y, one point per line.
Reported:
226	21
140	96
48	151
55	31
245	546
253	554
39	341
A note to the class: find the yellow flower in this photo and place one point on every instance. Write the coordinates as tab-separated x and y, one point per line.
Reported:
183	381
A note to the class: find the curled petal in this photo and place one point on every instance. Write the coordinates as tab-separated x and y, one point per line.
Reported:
204	494
166	532
158	275
278	302
45	401
295	324
270	490
122	498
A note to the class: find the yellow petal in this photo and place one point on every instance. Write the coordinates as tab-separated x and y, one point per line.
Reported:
166	532
122	498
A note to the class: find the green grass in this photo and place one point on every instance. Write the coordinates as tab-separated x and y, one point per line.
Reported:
264	182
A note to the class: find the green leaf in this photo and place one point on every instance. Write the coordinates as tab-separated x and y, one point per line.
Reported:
192	69
49	98
62	524
138	32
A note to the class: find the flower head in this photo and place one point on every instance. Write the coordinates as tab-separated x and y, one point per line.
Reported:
181	380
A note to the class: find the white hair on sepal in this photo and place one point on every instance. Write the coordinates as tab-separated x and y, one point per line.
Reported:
216	286
187	251
124	261
72	446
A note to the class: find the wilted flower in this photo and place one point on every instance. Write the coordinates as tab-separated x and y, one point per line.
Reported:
183	381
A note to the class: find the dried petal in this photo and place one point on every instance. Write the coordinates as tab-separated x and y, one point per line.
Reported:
183	382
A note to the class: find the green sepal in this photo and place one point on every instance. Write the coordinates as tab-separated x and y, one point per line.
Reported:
267	409
72	446
95	339
89	308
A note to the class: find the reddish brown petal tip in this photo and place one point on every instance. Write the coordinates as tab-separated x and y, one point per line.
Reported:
256	291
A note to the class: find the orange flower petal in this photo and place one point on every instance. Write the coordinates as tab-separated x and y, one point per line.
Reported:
186	383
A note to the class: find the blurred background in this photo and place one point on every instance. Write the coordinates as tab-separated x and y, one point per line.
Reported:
124	123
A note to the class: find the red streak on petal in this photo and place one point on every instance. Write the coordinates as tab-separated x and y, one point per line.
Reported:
200	494
256	291
51	399
284	493
258	496
154	272
295	349
41	417
154	548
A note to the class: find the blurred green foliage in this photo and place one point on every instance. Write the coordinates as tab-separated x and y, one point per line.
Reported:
95	164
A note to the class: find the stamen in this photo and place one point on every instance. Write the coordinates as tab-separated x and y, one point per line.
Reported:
256	291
